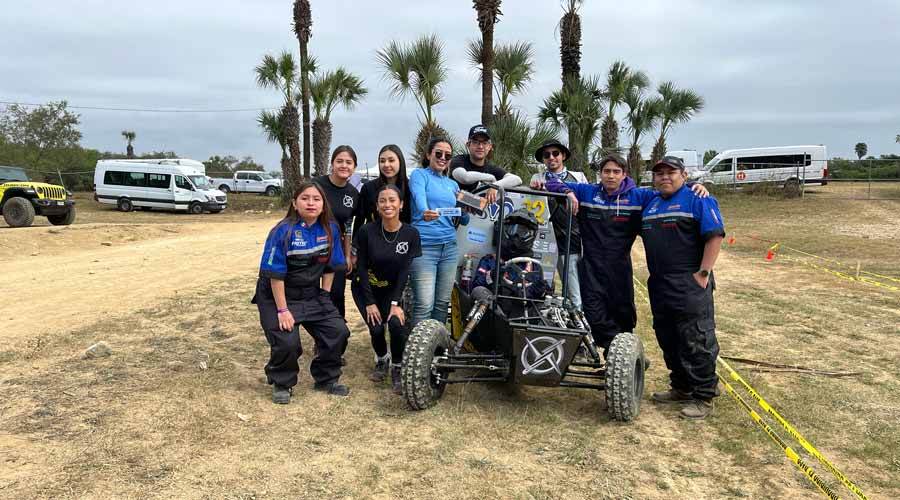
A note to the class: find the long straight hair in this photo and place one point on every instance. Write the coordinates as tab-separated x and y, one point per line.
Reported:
292	216
402	181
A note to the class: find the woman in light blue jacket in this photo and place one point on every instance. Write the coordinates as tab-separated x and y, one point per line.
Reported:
434	272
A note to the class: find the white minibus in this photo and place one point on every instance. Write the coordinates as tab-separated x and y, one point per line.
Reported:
172	184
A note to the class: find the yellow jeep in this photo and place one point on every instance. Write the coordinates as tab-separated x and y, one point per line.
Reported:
21	199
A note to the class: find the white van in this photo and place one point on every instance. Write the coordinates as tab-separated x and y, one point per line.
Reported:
173	184
690	158
787	166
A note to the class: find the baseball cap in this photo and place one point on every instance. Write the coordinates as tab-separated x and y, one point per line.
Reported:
479	130
669	161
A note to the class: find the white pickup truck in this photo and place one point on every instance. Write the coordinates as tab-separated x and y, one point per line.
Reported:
249	181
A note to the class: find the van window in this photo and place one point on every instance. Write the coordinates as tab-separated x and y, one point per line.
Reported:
135	179
773	161
723	166
114	178
182	183
159	181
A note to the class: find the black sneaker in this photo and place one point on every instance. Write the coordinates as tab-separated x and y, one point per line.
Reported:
380	371
333	389
395	379
281	395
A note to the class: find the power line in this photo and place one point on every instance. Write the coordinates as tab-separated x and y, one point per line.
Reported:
148	110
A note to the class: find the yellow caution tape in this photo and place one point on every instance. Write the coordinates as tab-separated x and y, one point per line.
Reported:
793	432
805	469
840	274
841	264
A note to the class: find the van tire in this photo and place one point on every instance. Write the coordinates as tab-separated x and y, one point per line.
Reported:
125	205
271	192
65	219
195	208
791	188
18	212
224	188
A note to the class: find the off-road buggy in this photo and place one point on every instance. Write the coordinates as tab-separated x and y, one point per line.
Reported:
501	333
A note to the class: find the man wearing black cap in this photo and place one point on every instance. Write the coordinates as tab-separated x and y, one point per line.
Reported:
609	217
553	155
682	235
470	169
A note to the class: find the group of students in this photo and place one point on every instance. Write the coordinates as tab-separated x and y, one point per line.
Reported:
393	232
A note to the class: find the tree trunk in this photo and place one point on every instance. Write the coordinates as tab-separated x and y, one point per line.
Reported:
292	131
322	131
487	76
286	192
426	132
130	152
304	90
659	150
609	135
635	167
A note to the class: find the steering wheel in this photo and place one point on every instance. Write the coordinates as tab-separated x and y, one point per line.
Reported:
524	260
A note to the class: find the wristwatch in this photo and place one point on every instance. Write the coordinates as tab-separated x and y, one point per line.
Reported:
704	273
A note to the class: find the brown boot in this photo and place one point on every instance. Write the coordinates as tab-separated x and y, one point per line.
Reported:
697	409
395	379
672	396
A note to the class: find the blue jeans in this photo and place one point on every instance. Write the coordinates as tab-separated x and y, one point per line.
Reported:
433	274
574	291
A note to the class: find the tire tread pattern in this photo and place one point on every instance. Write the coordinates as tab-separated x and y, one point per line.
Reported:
624	353
425	339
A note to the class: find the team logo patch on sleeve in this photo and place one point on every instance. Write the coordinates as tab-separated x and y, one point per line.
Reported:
322	238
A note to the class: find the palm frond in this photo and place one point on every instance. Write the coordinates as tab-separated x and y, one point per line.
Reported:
475	54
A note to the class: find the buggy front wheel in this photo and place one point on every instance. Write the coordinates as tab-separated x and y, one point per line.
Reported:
421	387
625	377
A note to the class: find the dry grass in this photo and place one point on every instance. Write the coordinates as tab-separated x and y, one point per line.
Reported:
151	422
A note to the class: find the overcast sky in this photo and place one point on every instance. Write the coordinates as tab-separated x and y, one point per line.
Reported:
772	72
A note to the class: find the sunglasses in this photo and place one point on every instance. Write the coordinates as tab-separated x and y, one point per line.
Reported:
441	155
554	154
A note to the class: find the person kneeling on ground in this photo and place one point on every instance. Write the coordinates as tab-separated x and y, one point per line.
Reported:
682	237
384	251
301	256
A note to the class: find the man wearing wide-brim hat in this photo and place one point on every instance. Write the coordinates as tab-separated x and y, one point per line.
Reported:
553	155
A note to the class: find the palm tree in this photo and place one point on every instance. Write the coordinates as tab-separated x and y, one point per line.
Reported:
417	70
488	15
578	108
273	125
515	141
861	149
619	82
676	106
303	30
897	139
338	87
282	75
513	70
570	40
129	136
643	114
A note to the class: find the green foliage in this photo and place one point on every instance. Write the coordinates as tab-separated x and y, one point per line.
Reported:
709	155
861	149
281	74
677	106
416	70
515	141
36	132
227	165
333	88
885	167
513	69
577	108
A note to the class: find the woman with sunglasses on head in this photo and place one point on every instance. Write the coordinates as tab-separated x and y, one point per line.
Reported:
301	257
343	199
384	250
391	170
434	272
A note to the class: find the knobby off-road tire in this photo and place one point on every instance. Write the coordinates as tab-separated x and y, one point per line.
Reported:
63	219
427	340
625	377
18	212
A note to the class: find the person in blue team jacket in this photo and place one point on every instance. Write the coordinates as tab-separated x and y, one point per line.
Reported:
302	254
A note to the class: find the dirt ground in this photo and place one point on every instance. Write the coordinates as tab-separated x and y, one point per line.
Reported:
181	409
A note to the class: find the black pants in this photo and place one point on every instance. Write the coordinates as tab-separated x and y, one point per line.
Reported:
398	331
312	309
684	321
337	293
607	297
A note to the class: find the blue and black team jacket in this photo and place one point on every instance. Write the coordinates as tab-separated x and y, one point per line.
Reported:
298	254
675	230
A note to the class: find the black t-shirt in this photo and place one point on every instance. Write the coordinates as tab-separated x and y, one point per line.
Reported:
383	259
463	161
367	211
341	200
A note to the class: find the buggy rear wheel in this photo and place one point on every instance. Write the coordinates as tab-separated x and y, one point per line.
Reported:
421	387
625	377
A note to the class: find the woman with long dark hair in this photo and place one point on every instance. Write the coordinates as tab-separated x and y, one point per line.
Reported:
301	257
391	170
384	250
434	272
343	199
